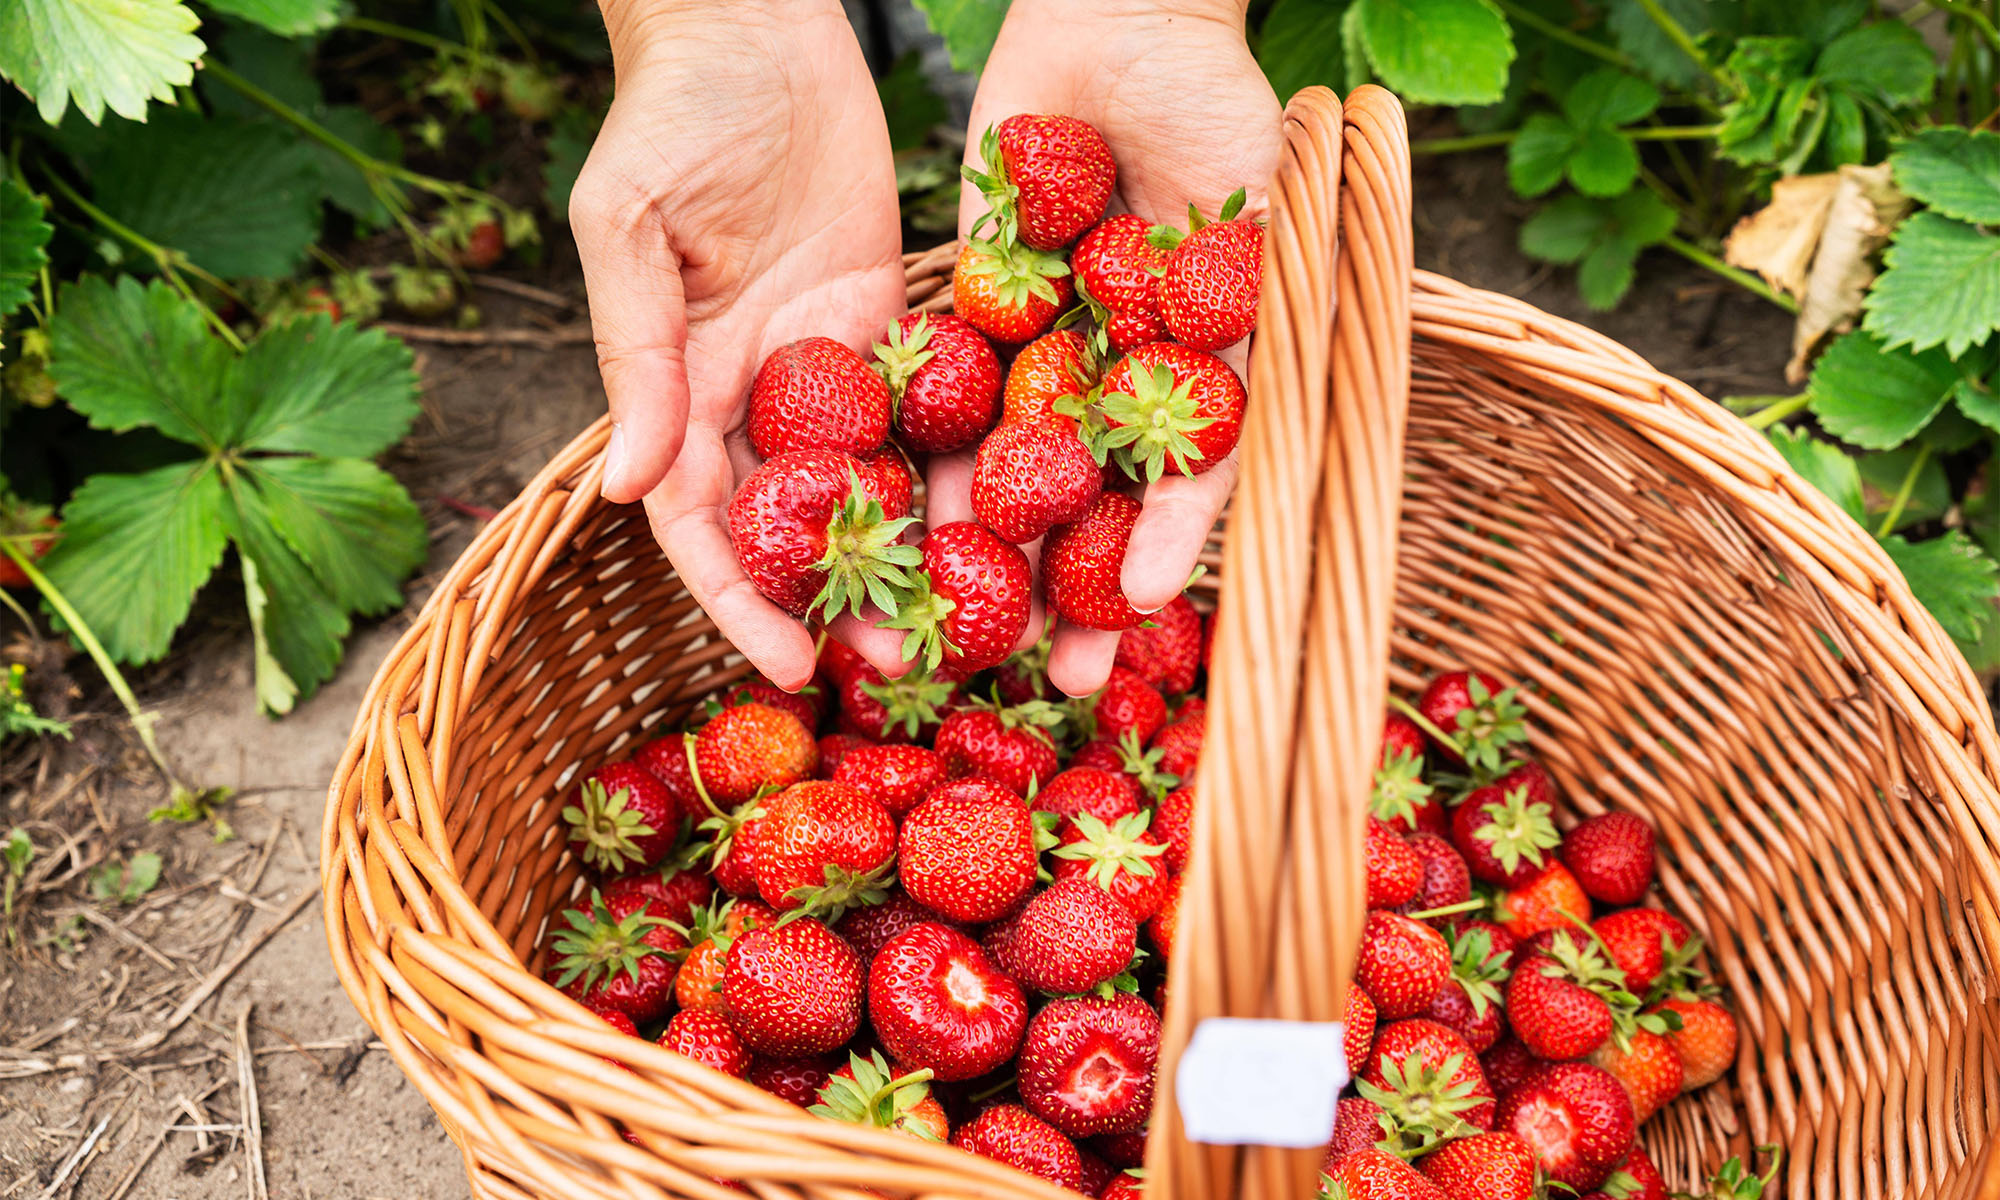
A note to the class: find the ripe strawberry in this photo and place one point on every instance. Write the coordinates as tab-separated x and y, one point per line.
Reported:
1395	871
667	759
1470	1004
1358	1031
1025	675
1166	650
1445	880
1162	927
814	538
1575	1118
485	245
1357	1125
1087	1064
897	711
1047	179
869	929
617	1020
1009	292
834	749
1167	406
1400	795
1486	1166
1011	1134
1507	1064
615	954
1506	838
1126	1185
1103	794
1173	824
1140	768
866	1091
19	519
824	847
674	889
706	1038
1561	1004
837	663
809	706
1427	1080
1648	1068
795	1079
1011	745
709	931
944	380
1030	476
937	1001
1403	964
1061	365
1503	942
1118	270
1400	737
1635	1179
968	606
1706	1040
1069	939
816	394
1208	291
896	776
968	851
792	990
885	474
1126	704
1551	900
1123	858
621	816
1611	856
752	746
1122	1150
1375	1175
1179	746
1082	565
1479	718
1646	944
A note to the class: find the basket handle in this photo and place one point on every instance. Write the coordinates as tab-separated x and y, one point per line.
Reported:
1299	671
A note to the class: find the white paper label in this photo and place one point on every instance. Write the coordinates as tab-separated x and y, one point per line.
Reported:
1262	1083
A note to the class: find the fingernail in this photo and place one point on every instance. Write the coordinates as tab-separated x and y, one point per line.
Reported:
614	458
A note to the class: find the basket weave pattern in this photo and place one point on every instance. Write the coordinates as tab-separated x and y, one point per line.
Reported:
1708	642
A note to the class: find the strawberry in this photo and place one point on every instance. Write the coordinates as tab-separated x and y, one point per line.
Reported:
1470	1004
1173	824
1126	1185
798	1080
667	759
1403	964
1705	1041
1551	900
1087	1064
1486	1166
1638	1179
617	1020
1126	704
1070	938
1011	1134
1011	745
709	932
1611	856
1503	943
1212	276
938	1002
866	1091
1118	271
751	747
1507	1064
1047	179
1166	650
1168	406
1082	565
1400	737
1123	858
824	847
897	711
1025	675
706	1038
1561	1004
1649	946
1395	871
1357	1125
485	245
1400	796
968	606
675	888
1575	1117
869	929
1103	794
1030	476
885	474
1061	365
1122	1150
1471	719
734	837
813	537
1427	1081
816	394
615	954
793	989
837	663
968	851
897	777
809	706
1505	837
1375	1175
1009	292
1445	880
1648	1068
1142	769
834	749
621	816
944	380
1179	746
1164	923
1358	1031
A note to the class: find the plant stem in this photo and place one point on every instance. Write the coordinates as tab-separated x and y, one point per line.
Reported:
1743	279
1679	37
401	33
1901	501
1776	411
1970	14
1486	141
1567	36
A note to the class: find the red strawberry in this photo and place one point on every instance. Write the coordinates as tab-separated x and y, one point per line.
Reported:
1445	880
1634	1179
1506	837
1400	795
1118	269
1030	476
1358	1033
813	537
968	851
1403	964
816	394
1611	856
1395	871
706	1038
674	889
1103	794
621	816
1123	858
1087	1064
1575	1117
734	837
617	1020
1126	1185
834	749
1025	675
1140	768
1470	1004
1551	900
1647	1067
1011	1134
1126	704
615	954
824	847
1427	1080
1486	1166
938	1002
897	710
1082	565
1504	943
19	519
1009	293
1479	718
1069	939
944	378
1122	1150
1047	179
485	245
869	929
793	990
1507	1064
710	930
1179	746
885	474
1560	1004
808	706
866	1091
968	606
1169	407
795	1079
1705	1041
1375	1175
1400	737
1173	824
1645	943
1011	745
1058	366
752	746
1208	293
896	776
1166	650
1357	1125
837	663
1164	923
667	759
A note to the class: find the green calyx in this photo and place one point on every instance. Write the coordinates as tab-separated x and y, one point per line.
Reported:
1166	237
912	702
1399	788
1422	1106
865	560
705	924
1149	426
1041	716
1144	765
1518	831
843	890
1733	1181
923	615
1586	962
596	947
1473	969
607	828
1112	848
1679	975
875	1097
1620	1185
1019	273
902	356
722	828
1490	724
1002	197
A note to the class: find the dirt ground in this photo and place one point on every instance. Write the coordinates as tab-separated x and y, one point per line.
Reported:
337	1119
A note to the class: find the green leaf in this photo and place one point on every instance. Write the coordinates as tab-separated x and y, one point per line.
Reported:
1871	396
23	233
353	525
1754	130
1635	32
1980	400
1822	464
1563	232
912	106
341	182
568	145
1608	98
1605	274
1886	61
1300	45
1353	51
1604	163
1846	137
1602	237
304	626
968	28
281	66
240	198
99	54
1438	51
289	18
316	387
1951	577
134	551
276	692
128	356
1884	474
1539	153
1941	286
1954	172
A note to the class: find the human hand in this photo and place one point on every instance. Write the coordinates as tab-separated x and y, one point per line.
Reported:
741	195
1189	117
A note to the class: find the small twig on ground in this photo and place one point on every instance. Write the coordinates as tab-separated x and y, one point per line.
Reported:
353	1048
541	339
131	1175
131	939
526	291
253	1136
76	1156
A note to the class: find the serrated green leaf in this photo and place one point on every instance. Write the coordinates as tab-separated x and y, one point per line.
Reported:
289	18
1883	474
1873	397
98	54
1300	44
1539	153
968	28
276	692
1941	286
1822	464
304	626
1634	31
23	234
1951	577
1438	51
912	106
129	355
353	525
1886	61
1608	98
1953	171
134	551
1604	163
1504	113
316	387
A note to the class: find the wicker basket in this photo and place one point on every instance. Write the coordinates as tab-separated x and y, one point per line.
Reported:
1708	640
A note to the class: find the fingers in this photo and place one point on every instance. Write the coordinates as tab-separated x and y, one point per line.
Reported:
948	489
1080	659
1172	528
